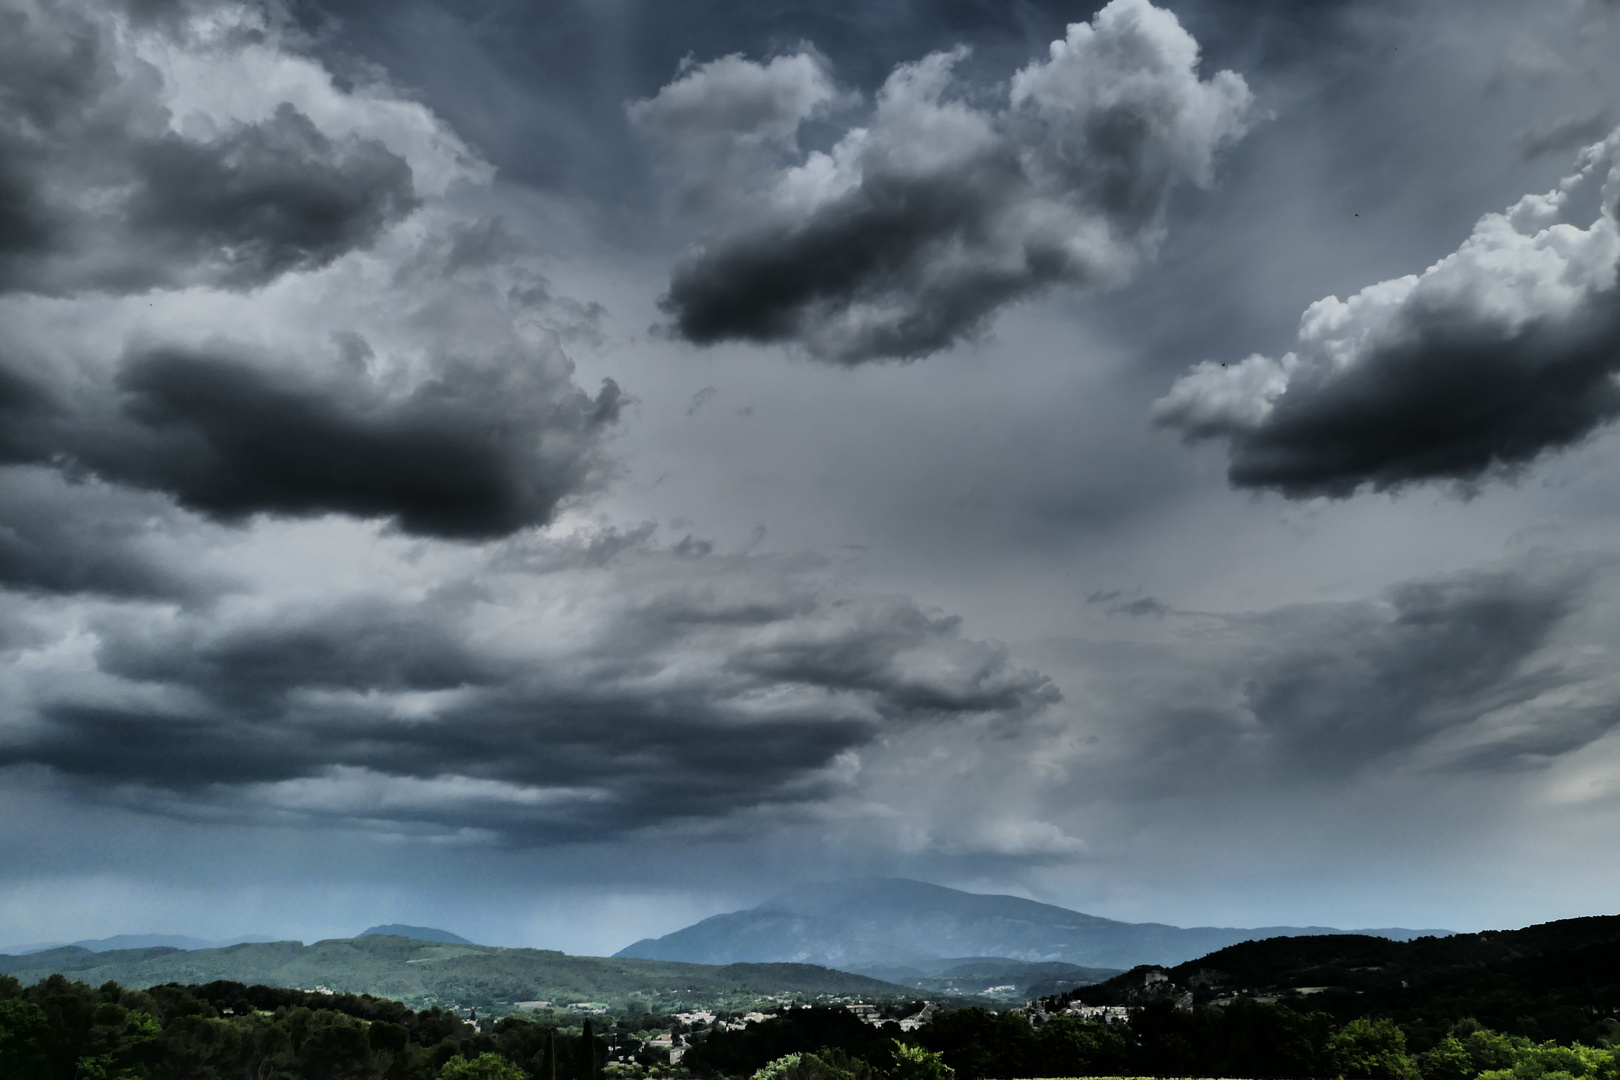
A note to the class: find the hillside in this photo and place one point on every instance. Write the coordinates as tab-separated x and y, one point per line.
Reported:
991	976
1364	963
878	923
1558	980
418	973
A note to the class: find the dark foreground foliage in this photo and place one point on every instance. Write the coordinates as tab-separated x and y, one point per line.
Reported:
63	1030
1240	1038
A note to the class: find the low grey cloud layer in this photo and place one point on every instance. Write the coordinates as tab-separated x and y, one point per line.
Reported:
676	687
1495	355
1462	658
912	230
1479	672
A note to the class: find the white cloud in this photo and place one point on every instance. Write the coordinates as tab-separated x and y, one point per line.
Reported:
1496	354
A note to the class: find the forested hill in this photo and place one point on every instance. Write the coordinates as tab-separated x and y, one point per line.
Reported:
418	972
1554	980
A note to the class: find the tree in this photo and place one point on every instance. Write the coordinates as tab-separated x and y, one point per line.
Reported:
915	1063
587	1046
1368	1049
482	1067
24	1028
1448	1060
807	1066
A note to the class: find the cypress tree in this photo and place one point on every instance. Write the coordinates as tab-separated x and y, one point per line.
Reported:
588	1041
548	1063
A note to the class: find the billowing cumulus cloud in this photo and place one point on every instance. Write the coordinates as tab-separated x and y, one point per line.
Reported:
567	688
913	229
105	184
725	124
1500	352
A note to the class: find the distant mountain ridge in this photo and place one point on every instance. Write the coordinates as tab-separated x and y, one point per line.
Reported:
868	925
134	941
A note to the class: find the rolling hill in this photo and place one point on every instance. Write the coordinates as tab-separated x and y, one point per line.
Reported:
420	973
875	924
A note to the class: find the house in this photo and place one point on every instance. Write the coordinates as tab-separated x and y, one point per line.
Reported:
703	1017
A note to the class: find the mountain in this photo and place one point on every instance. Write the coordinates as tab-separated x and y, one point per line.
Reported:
420	973
417	933
868	924
134	941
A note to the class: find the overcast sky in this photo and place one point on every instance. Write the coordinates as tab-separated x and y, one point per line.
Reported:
559	469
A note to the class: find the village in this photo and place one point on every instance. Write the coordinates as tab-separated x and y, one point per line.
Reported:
648	1041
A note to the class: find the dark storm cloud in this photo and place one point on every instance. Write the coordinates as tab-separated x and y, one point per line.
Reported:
464	455
711	687
1497	354
261	200
472	452
97	191
914	229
